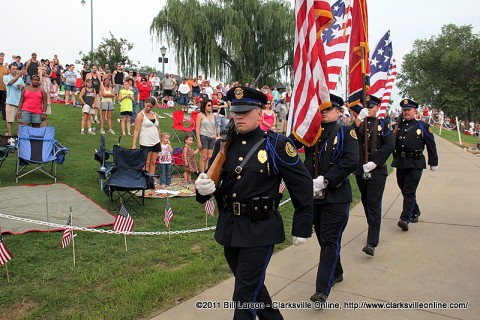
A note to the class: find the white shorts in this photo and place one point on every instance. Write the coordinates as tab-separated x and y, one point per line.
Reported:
87	109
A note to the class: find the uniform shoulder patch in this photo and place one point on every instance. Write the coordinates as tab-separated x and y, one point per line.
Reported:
290	149
353	134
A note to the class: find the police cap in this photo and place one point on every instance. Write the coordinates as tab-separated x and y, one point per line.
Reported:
372	101
245	99
407	104
337	102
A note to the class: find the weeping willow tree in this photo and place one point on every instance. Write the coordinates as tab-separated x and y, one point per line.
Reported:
229	39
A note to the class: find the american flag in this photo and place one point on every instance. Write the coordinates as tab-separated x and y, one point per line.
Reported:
282	186
392	74
310	93
5	255
359	64
210	207
67	234
168	214
380	64
335	39
123	221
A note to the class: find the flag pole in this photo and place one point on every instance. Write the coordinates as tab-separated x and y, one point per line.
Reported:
73	236
364	103
206	219
168	219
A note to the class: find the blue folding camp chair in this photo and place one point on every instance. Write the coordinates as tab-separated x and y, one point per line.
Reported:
128	177
102	155
36	148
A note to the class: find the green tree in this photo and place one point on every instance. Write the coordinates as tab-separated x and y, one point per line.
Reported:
111	51
444	72
229	39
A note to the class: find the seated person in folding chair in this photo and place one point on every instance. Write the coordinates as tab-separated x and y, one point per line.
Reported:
147	128
206	132
32	109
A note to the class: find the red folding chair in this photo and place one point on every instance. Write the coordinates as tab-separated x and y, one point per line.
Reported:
179	124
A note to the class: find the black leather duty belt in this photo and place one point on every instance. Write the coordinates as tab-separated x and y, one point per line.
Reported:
414	154
254	207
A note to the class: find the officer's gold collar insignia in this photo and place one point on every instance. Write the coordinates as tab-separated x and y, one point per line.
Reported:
419	132
238	92
430	129
262	156
290	149
353	134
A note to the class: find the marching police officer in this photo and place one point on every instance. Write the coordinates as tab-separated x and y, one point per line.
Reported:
330	162
249	223
412	136
371	173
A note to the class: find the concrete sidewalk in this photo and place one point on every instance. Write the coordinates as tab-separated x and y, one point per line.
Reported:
438	259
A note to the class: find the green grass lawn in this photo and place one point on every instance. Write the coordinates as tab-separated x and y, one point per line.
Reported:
452	136
107	282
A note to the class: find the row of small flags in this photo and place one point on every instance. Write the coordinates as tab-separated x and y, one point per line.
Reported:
123	223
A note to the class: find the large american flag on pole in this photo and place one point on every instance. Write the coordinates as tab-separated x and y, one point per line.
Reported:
311	93
123	221
392	74
380	64
210	207
67	234
359	63
5	255
335	39
168	214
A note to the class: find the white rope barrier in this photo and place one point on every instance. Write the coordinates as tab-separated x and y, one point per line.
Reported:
134	233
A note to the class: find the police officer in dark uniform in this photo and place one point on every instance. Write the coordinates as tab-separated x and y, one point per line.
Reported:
249	223
371	173
330	162
412	136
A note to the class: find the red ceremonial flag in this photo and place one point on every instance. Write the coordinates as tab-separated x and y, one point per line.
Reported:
310	94
67	234
210	207
5	255
282	187
123	221
392	74
335	39
168	214
359	63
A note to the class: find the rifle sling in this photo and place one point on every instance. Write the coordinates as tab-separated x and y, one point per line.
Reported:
257	145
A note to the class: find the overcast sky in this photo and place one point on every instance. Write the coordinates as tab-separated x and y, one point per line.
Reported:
62	27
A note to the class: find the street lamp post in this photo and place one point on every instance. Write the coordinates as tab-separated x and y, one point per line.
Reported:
163	51
83	2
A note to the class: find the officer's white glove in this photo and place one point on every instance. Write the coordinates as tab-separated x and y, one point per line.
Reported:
298	241
433	168
318	184
204	185
369	166
363	114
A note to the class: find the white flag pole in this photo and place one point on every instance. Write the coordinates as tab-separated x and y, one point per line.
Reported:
73	235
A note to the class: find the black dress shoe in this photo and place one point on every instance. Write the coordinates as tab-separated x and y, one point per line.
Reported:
403	225
415	218
337	279
369	249
319	297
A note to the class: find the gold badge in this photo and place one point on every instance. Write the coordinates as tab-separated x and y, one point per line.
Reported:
368	98
430	129
335	140
379	128
238	93
389	126
419	132
405	101
353	134
262	156
290	150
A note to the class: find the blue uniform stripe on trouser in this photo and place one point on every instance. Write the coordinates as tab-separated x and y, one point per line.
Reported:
261	280
338	247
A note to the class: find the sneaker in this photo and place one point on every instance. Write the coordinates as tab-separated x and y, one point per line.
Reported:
102	131
111	131
118	120
96	120
82	131
91	132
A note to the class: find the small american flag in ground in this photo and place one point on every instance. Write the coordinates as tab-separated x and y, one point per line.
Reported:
210	207
5	255
282	187
123	221
168	214
67	234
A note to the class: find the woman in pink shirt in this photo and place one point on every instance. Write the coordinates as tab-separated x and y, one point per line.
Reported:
32	109
268	118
